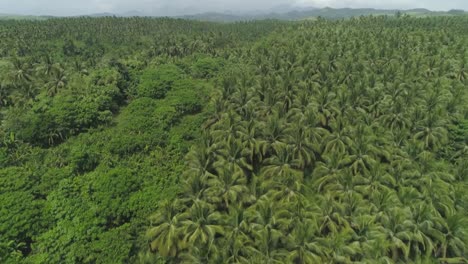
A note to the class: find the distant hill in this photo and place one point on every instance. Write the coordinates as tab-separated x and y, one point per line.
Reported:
330	13
103	15
134	13
22	17
280	12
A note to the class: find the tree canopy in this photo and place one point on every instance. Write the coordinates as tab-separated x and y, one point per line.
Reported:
141	140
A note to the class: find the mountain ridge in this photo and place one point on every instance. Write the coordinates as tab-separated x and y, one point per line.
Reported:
279	12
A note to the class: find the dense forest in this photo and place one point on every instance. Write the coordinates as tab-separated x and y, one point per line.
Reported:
142	140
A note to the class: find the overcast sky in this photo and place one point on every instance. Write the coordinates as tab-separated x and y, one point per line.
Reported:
177	7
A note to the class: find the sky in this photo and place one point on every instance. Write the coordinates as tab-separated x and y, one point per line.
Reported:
180	7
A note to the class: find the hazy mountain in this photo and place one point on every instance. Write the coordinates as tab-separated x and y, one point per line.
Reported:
134	13
22	17
102	15
281	12
309	13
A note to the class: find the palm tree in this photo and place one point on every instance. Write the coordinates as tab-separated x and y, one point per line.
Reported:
362	155
254	148
21	72
282	165
233	155
328	171
47	67
267	241
392	225
372	241
265	214
304	244
58	81
332	215
165	235
455	232
195	188
432	134
302	149
274	133
5	90
229	186
341	248
237	236
200	224
423	229
200	255
338	140
324	103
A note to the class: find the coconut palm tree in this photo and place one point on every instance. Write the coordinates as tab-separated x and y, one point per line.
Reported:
455	237
21	72
432	133
58	82
304	244
229	186
237	235
165	235
200	224
47	67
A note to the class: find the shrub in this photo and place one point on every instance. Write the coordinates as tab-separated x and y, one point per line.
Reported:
156	82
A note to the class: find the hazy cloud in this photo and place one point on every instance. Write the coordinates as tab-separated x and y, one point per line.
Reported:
177	7
401	4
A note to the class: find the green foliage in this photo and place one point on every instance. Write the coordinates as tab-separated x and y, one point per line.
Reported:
156	82
205	67
20	213
306	142
334	142
69	112
91	142
186	96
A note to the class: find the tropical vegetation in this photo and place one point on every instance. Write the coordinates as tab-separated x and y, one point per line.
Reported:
141	140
